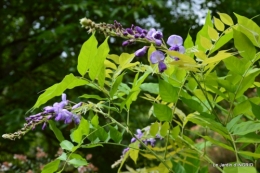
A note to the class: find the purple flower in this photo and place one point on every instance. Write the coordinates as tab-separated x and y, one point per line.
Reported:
162	66
139	29
76	105
133	140
48	109
129	31
139	133
158	57
126	43
76	119
150	33
152	141
44	125
142	51
125	150
157	35
176	42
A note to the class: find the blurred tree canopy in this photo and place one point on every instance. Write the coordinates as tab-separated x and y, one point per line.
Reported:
40	42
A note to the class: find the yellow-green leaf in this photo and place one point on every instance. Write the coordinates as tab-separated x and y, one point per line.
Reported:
133	151
205	42
220	56
213	34
218	24
164	129
226	19
154	129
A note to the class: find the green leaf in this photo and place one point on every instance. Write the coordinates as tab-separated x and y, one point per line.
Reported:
175	132
204	31
70	81
247	81
245	128
94	121
222	41
205	42
218	24
234	121
133	151
249	138
219	143
56	131
115	134
193	104
247	153
238	169
244	45
87	53
249	28
102	134
221	55
51	167
150	87
154	129
102	76
164	129
116	84
236	65
162	112
83	129
226	19
167	92
177	167
87	96
63	157
213	34
255	110
125	59
78	162
66	145
188	43
98	61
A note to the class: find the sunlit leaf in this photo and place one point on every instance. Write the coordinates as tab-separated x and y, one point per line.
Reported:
51	167
226	19
218	24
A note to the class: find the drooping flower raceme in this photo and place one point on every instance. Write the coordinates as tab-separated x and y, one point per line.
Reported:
158	57
176	42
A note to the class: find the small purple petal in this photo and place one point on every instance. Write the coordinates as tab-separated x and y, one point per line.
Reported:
130	31
59	117
64	97
158	42
157	56
126	43
150	33
133	140
142	51
125	150
44	125
76	105
125	33
162	66
137	35
132	27
145	31
76	119
157	35
48	109
175	40
139	29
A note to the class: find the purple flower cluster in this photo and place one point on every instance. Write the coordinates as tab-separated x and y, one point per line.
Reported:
140	135
58	111
157	57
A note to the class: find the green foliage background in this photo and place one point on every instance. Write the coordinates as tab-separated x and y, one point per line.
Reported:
40	42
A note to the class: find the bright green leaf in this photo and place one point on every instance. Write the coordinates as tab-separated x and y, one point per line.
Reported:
66	145
87	52
164	129
115	134
70	81
133	151
239	169
98	61
87	96
218	24
154	129
94	121
167	92
162	112
63	157
150	87
78	162
56	131
226	19
51	167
